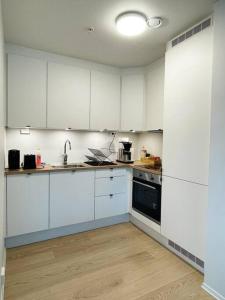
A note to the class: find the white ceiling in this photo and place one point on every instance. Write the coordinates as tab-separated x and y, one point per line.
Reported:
60	26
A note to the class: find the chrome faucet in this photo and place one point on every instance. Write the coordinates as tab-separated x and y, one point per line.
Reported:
65	155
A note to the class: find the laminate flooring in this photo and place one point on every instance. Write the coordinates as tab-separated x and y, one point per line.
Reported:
119	262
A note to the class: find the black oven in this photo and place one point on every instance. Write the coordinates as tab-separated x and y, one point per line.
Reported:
147	195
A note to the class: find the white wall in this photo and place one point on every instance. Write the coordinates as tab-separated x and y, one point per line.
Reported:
215	255
2	139
51	143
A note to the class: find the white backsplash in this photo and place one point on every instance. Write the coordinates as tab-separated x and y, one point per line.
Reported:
152	141
51	143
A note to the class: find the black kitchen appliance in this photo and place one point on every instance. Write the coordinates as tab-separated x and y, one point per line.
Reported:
13	159
147	195
124	154
29	161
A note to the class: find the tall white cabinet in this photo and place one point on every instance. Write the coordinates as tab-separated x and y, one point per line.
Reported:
68	97
186	141
105	101
188	77
27	83
132	102
184	214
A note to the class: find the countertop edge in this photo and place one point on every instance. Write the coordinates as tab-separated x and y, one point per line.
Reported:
50	169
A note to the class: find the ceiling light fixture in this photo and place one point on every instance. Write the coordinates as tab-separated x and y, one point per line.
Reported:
135	23
131	23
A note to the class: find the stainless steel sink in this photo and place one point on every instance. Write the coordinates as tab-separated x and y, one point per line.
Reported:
69	166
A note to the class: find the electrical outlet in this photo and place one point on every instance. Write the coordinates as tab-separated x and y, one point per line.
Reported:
25	131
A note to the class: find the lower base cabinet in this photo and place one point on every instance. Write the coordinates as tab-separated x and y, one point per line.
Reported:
184	210
27	203
111	205
71	198
38	202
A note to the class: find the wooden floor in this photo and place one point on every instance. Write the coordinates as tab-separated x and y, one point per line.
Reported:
117	262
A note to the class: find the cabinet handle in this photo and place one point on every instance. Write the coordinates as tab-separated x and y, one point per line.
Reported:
111	195
111	178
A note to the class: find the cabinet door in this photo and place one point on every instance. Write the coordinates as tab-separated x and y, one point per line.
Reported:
68	97
71	198
105	101
108	206
187	106
183	221
27	79
27	203
155	95
132	102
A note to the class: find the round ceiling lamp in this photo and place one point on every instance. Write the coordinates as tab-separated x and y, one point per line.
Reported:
135	23
131	23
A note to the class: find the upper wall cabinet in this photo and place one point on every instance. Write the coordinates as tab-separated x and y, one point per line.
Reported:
27	78
155	95
68	97
132	102
187	106
105	101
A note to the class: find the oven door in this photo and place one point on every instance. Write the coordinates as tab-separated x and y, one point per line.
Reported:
147	199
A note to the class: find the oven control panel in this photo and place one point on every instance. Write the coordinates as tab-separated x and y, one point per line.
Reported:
148	176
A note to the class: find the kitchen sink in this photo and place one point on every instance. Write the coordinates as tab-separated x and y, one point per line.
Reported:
69	166
102	163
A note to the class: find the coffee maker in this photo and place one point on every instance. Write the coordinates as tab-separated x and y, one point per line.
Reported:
124	154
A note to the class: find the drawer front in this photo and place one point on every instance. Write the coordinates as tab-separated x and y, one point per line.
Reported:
110	172
108	206
110	185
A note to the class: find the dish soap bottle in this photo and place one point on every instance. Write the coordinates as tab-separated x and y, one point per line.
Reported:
38	158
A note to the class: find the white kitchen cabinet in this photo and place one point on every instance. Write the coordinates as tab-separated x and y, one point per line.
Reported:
68	97
132	102
187	105
27	79
110	185
183	220
111	205
105	101
71	198
27	203
155	95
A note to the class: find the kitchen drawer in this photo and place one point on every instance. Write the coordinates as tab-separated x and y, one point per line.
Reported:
108	206
110	185
110	172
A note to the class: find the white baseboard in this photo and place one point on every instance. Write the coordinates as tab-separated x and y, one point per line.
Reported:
212	292
3	280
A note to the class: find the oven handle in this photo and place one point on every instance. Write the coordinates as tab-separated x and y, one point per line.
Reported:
151	187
